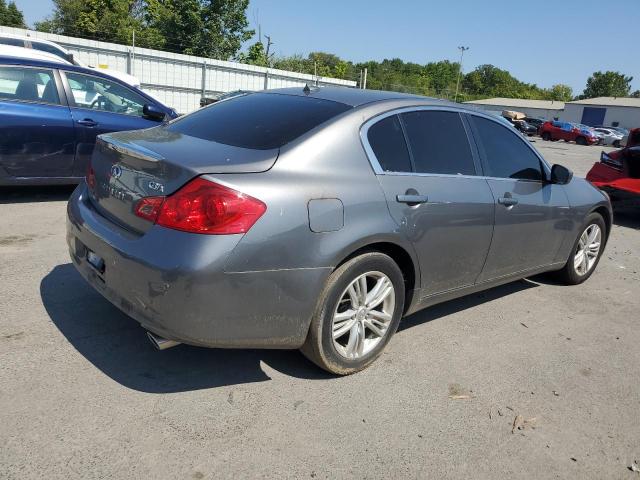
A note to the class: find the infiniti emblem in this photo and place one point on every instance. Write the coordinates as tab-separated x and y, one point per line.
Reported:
116	171
156	186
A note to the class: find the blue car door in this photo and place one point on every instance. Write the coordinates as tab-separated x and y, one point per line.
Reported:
99	105
36	130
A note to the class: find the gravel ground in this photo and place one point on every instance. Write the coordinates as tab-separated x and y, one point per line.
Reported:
84	395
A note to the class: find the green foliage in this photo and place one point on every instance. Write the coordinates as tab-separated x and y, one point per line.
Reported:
607	84
491	81
107	20
560	92
210	28
10	15
256	55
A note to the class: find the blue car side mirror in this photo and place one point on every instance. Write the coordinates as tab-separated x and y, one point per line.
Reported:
152	112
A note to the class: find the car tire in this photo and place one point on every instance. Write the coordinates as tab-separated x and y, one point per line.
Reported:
572	275
616	144
581	141
343	355
546	136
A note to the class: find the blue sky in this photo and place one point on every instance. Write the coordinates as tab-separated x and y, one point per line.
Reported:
538	41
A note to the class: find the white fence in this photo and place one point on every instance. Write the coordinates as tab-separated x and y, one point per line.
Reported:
175	79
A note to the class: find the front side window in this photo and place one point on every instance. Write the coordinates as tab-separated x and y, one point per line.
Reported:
28	85
99	93
438	142
388	144
505	153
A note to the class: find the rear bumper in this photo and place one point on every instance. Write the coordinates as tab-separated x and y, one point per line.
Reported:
174	284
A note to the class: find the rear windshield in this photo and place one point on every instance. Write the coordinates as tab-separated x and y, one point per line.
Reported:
261	121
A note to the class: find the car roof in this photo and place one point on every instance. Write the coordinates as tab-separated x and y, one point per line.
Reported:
29	54
32	39
32	62
356	97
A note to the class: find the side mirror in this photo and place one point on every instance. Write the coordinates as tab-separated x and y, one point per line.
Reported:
152	112
560	175
70	58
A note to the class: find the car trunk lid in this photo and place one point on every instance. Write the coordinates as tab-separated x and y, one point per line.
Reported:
155	162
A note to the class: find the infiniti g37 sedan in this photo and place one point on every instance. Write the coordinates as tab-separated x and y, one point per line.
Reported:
318	218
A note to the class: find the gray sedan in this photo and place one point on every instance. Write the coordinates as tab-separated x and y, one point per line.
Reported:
318	218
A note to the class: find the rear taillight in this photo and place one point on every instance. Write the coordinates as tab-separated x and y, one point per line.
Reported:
202	206
91	178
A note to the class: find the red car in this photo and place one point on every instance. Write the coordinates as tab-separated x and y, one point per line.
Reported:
618	172
568	132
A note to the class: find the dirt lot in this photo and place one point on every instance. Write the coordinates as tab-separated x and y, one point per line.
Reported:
84	395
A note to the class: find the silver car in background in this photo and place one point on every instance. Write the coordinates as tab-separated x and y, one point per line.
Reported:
609	136
317	218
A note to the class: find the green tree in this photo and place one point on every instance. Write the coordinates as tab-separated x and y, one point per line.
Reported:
560	92
211	28
636	94
607	84
442	76
256	55
107	20
176	24
225	28
10	15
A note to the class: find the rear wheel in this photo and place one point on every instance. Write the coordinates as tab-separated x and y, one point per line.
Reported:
586	251
581	141
358	313
616	144
546	136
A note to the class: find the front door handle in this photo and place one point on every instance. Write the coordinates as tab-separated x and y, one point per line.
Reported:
507	201
412	199
87	122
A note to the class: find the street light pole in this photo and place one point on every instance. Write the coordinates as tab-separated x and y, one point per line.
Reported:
462	50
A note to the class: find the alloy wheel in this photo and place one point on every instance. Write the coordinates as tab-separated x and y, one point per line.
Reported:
363	315
588	249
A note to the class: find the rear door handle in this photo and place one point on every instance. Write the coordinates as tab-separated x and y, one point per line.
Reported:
87	122
412	199
507	201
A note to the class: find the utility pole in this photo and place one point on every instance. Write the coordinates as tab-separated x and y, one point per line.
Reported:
364	79
462	50
269	43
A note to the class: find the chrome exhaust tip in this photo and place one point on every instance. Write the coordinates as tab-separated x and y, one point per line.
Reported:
161	343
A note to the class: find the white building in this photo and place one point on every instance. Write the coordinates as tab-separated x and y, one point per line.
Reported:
547	109
610	111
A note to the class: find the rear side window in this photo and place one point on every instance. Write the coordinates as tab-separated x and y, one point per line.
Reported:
16	42
438	142
44	47
505	153
388	144
28	85
260	121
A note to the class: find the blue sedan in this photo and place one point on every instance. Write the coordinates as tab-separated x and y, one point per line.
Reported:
51	113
